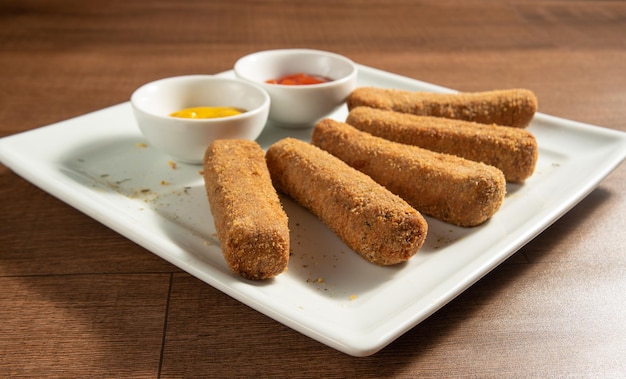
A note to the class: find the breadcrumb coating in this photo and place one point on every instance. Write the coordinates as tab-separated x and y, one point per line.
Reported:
512	150
509	107
251	224
447	187
372	221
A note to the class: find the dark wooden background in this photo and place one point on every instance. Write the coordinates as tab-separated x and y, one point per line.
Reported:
79	300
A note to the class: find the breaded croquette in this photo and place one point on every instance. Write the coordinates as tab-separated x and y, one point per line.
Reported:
512	107
446	187
512	150
251	224
378	225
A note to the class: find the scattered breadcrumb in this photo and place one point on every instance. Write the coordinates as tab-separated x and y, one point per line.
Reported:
318	280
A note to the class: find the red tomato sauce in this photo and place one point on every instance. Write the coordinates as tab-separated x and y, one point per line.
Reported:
299	79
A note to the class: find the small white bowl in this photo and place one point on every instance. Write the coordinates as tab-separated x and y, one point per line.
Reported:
186	139
300	106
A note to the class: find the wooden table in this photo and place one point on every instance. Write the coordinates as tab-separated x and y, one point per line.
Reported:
79	300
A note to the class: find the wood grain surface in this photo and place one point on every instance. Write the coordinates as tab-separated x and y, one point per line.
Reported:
79	300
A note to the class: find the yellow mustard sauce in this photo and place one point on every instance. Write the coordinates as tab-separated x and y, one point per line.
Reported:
207	112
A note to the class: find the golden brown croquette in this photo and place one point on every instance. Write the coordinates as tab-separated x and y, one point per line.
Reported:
447	187
250	221
512	150
511	107
372	221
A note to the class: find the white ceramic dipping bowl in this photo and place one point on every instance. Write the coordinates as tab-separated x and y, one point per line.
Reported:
186	139
299	106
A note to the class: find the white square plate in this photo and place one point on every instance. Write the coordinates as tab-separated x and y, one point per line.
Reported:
100	164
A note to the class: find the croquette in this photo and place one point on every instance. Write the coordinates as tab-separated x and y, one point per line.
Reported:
446	187
376	224
509	107
251	224
512	150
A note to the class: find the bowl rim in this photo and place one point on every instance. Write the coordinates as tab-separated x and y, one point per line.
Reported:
247	114
353	68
